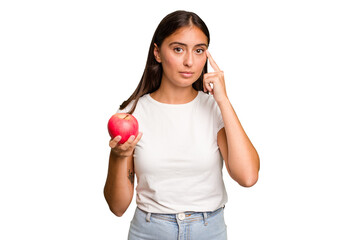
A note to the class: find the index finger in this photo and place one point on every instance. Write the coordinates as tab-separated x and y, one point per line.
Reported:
212	62
113	142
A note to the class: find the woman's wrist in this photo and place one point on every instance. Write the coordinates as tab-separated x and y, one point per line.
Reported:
117	156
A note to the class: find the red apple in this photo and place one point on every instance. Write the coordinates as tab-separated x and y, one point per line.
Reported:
123	124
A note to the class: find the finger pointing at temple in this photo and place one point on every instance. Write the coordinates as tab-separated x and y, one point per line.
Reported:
212	62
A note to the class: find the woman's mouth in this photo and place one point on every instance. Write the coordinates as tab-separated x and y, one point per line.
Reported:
186	74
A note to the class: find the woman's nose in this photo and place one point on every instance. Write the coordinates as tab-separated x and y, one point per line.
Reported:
188	59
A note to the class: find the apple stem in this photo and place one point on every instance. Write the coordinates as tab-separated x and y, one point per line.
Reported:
126	116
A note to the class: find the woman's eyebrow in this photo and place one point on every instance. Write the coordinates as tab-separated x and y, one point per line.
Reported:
183	44
201	44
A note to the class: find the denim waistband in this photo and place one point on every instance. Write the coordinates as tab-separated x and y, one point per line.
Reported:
185	217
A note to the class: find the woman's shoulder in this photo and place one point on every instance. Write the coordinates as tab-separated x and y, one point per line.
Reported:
132	102
207	99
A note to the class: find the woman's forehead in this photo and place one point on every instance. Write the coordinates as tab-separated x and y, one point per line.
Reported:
189	35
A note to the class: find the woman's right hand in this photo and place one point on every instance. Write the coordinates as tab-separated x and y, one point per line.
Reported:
127	148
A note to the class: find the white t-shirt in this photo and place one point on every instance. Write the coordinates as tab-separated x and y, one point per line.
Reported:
177	162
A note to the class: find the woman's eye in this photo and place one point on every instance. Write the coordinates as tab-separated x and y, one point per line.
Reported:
178	50
199	51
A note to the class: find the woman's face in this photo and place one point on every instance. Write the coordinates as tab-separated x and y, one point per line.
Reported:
182	55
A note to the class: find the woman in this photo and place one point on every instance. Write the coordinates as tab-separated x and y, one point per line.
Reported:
187	127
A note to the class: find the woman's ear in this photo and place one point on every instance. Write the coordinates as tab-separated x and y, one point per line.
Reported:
157	53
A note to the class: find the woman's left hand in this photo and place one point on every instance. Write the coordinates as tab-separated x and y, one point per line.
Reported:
217	79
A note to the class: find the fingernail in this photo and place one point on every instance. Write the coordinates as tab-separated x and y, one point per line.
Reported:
132	137
118	138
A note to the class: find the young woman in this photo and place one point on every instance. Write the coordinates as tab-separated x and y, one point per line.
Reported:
187	127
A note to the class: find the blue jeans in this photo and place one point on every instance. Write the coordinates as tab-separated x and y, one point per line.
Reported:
180	226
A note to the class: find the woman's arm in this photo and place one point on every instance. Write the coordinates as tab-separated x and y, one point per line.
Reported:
119	186
240	156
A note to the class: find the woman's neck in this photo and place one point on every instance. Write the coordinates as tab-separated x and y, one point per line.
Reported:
174	96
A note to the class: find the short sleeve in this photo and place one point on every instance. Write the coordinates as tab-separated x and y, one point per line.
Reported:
218	118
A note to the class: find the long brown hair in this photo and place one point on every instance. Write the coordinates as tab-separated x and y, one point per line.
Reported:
151	78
